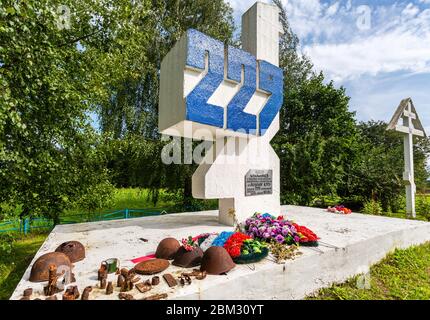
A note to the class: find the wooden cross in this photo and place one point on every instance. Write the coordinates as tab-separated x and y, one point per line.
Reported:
410	127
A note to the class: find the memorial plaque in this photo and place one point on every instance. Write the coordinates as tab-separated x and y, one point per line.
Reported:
258	182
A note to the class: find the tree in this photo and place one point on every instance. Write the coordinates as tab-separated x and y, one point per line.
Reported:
53	57
131	112
132	108
377	173
316	141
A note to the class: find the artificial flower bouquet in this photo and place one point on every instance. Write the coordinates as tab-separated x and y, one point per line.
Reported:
266	227
340	209
240	246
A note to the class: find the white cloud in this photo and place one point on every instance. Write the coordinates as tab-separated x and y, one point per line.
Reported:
400	46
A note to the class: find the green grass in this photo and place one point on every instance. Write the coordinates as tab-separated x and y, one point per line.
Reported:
133	198
14	264
402	275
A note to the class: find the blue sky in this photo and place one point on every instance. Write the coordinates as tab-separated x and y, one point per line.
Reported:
378	50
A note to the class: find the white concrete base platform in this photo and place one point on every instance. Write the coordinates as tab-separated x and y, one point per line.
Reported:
357	241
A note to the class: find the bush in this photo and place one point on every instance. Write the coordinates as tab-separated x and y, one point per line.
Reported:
6	243
372	207
423	207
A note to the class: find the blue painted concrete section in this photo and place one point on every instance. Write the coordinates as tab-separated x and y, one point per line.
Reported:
197	107
271	80
236	118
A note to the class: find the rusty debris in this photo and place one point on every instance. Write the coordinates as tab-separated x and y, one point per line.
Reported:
143	287
156	297
102	272
155	280
152	266
143	239
126	296
40	269
184	279
109	288
126	281
103	283
199	275
120	280
124	272
86	293
73	249
28	292
72	293
51	298
102	276
52	287
167	249
117	272
135	279
25	298
171	281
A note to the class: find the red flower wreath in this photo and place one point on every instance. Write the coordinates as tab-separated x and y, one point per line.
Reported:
305	234
233	244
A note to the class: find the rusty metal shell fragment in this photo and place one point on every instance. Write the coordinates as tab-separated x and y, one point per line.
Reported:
73	249
167	249
40	269
151	266
216	260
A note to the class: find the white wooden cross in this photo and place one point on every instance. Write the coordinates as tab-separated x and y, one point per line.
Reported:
410	127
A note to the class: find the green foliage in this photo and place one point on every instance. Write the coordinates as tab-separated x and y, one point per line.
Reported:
372	207
6	243
423	206
316	141
378	170
51	76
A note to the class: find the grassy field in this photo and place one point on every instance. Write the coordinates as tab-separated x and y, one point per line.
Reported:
402	275
14	264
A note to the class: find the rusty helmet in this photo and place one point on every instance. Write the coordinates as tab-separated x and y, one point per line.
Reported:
40	269
73	249
188	259
216	260
167	249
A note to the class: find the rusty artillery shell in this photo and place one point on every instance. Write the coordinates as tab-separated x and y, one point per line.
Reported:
109	288
86	293
51	298
120	280
103	283
124	272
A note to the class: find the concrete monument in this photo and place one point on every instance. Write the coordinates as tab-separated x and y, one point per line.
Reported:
232	97
410	126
